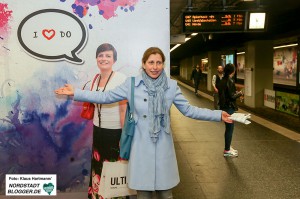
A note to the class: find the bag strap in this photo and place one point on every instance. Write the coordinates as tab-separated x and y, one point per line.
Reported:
131	104
95	78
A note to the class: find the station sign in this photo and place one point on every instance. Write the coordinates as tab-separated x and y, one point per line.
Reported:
229	21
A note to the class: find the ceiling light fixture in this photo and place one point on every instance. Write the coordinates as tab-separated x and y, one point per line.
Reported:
177	45
284	46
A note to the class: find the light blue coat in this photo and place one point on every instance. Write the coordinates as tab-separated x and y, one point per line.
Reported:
152	166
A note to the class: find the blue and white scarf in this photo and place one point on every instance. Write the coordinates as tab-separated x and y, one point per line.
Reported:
158	113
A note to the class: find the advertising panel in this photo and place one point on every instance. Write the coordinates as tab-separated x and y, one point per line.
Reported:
240	68
287	103
46	44
269	98
285	66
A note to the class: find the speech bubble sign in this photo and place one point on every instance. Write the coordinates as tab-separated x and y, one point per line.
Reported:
53	35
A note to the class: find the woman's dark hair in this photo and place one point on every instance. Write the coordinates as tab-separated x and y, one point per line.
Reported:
228	69
151	51
106	47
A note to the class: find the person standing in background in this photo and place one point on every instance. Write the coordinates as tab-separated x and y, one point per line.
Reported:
227	101
196	76
216	79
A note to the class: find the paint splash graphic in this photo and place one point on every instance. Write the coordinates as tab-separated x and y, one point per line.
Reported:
42	133
106	8
5	16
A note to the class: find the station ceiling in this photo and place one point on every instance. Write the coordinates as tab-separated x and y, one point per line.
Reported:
283	20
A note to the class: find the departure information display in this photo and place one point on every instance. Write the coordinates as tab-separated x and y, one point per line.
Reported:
221	21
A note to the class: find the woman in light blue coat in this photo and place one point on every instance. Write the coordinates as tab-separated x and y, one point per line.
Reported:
153	164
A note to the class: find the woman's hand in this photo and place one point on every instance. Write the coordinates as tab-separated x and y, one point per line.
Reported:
225	117
68	89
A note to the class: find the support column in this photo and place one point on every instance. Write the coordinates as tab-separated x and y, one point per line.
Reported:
258	71
214	60
184	68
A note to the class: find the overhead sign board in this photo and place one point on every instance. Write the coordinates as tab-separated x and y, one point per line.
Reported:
230	21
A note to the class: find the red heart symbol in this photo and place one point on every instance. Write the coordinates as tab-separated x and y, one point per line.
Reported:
48	34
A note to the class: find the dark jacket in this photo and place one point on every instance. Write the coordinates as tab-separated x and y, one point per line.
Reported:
228	94
218	81
196	75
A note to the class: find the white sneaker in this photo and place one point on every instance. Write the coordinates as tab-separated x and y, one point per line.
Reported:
232	149
231	153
